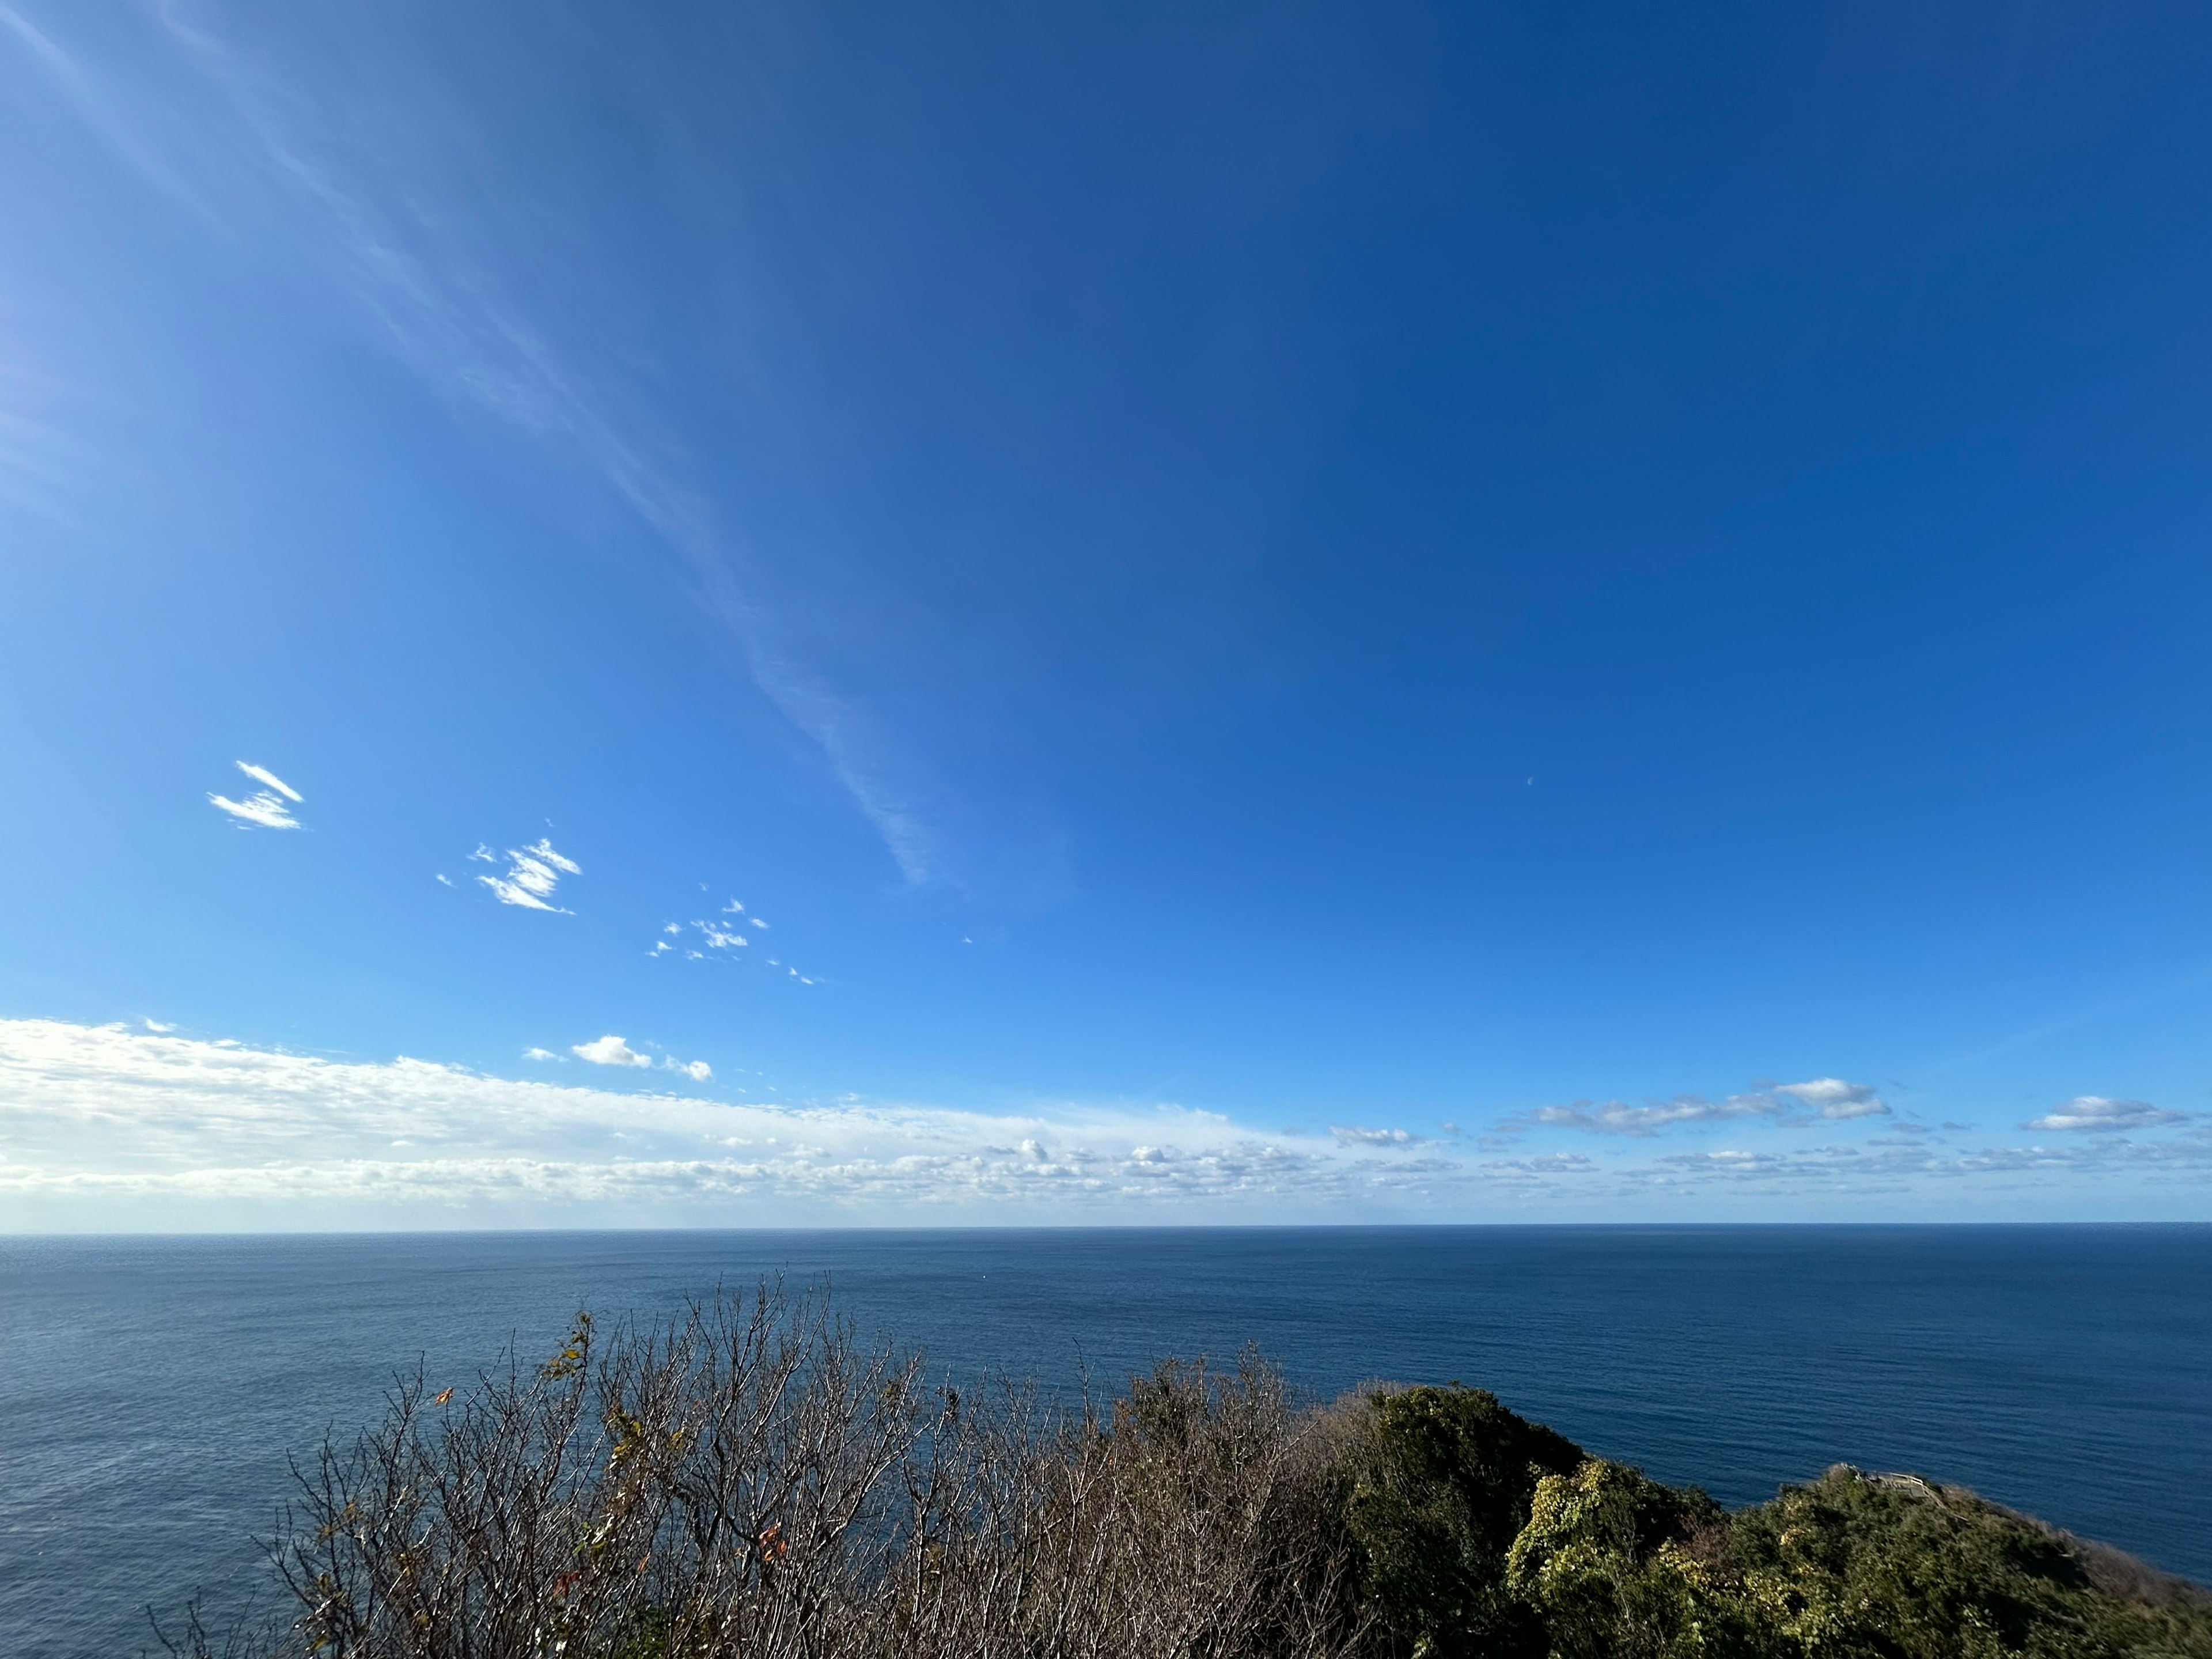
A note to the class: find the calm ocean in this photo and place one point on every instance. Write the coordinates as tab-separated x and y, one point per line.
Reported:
157	1384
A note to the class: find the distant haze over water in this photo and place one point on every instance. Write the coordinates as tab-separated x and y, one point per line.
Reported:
158	1384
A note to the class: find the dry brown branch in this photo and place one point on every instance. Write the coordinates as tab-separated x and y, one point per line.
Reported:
753	1481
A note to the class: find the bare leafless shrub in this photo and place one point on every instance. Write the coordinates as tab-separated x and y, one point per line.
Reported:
752	1480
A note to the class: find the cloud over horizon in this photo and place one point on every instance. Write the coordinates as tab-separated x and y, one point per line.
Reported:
116	1126
103	1114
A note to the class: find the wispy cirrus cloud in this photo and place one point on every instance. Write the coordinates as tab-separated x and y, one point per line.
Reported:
40	467
267	808
441	295
2097	1115
533	875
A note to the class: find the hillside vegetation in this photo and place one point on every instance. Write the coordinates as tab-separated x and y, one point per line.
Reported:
753	1481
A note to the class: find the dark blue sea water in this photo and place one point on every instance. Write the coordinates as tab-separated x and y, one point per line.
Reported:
154	1385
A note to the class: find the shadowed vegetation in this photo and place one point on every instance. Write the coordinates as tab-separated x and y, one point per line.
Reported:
754	1481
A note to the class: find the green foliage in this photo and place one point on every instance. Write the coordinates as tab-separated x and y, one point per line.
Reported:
1442	1482
1895	1567
1478	1533
1615	1563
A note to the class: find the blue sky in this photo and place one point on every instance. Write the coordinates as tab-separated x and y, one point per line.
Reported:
1287	613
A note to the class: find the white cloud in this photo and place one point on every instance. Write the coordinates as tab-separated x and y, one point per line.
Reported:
539	1054
674	929
157	1028
1832	1097
263	776
757	923
1549	1163
104	1126
698	1070
1616	1117
1373	1137
733	909
720	940
268	808
444	880
2095	1114
263	809
1825	1097
610	1050
533	873
100	1118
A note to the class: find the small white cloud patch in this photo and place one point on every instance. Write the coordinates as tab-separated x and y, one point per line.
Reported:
533	872
2095	1114
610	1050
1786	1103
1832	1097
1351	1137
268	779
698	1070
267	808
539	1054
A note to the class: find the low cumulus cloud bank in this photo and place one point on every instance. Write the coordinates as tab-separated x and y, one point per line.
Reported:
106	1113
118	1126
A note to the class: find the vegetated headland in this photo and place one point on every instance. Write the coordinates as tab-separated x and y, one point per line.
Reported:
752	1479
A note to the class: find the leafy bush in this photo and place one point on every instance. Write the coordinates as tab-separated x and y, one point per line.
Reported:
1895	1565
1441	1485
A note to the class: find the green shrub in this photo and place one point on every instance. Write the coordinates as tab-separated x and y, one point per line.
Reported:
1442	1487
1615	1563
1897	1567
